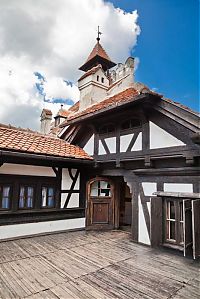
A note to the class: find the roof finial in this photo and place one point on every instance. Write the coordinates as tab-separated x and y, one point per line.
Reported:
99	33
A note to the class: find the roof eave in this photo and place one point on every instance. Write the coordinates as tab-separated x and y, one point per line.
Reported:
13	153
104	110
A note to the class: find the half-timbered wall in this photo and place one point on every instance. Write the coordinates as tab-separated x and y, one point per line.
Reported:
65	214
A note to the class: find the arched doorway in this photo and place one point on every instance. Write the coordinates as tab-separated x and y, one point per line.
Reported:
100	204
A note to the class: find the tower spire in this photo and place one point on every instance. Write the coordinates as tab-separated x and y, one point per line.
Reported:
98	36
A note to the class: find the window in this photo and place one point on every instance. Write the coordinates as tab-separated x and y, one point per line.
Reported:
130	124
170	220
5	197
100	189
102	80
174	222
26	197
105	129
48	197
97	78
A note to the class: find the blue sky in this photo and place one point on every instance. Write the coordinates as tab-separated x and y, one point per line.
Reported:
168	47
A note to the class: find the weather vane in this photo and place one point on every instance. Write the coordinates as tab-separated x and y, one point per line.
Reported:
99	33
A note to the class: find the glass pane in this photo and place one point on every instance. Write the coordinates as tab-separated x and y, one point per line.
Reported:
44	196
6	191
30	197
172	210
181	233
181	211
22	197
172	230
5	203
50	197
94	189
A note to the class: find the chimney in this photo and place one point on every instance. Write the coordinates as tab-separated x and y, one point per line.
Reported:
45	119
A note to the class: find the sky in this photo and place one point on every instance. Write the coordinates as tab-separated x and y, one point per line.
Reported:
43	43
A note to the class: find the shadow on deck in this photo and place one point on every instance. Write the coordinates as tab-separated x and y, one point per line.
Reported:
93	265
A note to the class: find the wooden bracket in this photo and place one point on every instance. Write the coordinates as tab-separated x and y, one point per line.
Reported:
147	161
189	160
118	163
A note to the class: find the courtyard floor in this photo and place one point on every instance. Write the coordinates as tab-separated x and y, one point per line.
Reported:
93	265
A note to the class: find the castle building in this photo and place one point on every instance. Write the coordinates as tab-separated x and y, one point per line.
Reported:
122	157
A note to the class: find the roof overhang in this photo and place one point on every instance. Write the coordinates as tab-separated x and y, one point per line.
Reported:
106	64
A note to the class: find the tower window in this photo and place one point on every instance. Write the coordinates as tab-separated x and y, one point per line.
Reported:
102	80
97	78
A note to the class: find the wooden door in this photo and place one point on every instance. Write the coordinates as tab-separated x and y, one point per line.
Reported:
187	220
100	204
196	227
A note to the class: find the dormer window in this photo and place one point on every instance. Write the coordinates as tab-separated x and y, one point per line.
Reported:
105	129
102	80
97	78
130	124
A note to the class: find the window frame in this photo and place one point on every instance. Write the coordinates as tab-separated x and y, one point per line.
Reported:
178	220
2	185
130	128
48	186
26	186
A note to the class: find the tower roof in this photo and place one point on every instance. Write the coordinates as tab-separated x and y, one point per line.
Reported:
97	56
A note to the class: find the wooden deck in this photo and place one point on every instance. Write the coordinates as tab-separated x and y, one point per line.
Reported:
93	265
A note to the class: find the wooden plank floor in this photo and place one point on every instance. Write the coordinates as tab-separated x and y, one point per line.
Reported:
85	265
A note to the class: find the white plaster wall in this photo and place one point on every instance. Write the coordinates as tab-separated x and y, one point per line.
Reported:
20	169
101	149
67	181
143	236
111	144
73	202
149	188
89	147
137	146
125	141
160	138
26	229
177	187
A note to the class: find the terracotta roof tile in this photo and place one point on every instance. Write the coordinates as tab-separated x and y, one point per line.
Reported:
98	50
47	111
74	108
29	142
127	95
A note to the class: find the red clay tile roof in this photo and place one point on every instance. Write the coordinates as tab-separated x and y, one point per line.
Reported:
90	72
98	50
35	143
63	113
74	108
127	95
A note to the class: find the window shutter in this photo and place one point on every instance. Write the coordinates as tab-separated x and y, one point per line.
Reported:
156	221
187	227
196	227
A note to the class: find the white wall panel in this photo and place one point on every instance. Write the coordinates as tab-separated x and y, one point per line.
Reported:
149	188
176	187
19	230
160	138
101	149
74	201
143	236
111	144
67	181
125	141
20	169
137	146
89	147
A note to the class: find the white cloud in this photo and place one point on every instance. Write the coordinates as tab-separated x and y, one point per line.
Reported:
53	38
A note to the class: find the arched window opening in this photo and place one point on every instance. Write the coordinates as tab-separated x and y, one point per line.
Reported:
130	124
